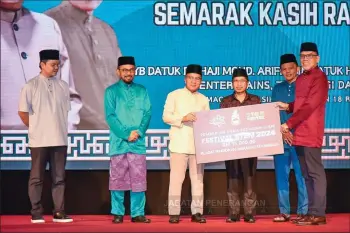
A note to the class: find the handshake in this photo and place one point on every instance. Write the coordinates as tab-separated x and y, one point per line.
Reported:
133	136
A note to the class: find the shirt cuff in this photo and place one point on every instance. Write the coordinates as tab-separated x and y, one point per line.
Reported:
139	133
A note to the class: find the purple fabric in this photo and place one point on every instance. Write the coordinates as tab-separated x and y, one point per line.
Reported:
128	172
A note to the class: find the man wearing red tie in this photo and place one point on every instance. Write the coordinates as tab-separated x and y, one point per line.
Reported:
307	120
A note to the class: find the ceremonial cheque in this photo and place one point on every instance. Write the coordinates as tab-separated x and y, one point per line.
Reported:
237	132
147	114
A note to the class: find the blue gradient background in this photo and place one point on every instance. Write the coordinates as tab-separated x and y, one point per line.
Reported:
253	46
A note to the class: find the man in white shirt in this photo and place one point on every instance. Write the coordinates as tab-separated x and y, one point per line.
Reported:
23	35
43	107
179	112
94	51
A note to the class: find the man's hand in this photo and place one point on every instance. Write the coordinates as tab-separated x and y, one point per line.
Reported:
282	106
288	138
191	117
284	128
133	136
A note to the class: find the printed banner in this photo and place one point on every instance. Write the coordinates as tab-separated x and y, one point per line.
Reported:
164	37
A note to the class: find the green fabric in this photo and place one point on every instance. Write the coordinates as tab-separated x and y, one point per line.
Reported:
127	108
137	203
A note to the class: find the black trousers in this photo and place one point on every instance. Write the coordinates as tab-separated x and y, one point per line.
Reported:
236	170
56	156
315	178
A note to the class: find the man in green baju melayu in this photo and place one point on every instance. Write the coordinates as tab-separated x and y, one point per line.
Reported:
128	113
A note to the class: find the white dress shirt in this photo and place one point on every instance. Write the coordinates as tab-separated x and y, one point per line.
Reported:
23	35
47	101
94	51
178	104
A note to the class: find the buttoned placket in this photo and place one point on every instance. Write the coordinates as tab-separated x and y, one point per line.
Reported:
50	85
289	87
94	41
15	29
130	96
50	88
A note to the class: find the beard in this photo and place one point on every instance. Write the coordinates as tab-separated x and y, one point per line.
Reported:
127	79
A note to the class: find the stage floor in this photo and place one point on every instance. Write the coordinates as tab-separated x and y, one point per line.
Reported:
102	223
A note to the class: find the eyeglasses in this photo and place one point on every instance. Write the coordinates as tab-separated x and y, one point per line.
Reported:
307	56
132	70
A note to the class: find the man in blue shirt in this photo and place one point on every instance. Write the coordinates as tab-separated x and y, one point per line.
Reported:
285	92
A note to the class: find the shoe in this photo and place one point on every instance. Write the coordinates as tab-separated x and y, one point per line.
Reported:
140	219
174	219
233	218
282	218
298	218
198	218
312	220
117	219
61	218
37	219
249	218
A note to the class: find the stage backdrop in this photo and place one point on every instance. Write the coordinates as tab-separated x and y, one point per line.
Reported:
165	37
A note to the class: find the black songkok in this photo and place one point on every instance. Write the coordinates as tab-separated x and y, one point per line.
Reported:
194	69
286	58
126	61
308	47
239	72
49	54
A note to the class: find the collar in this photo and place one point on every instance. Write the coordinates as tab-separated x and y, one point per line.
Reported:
12	16
247	96
285	82
45	78
190	92
125	85
76	13
307	72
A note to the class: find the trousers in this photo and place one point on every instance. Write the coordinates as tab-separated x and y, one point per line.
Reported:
282	164
56	157
178	167
137	203
315	179
236	171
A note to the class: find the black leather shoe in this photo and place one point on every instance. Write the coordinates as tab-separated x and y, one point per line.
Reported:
198	218
174	219
117	219
233	218
140	219
61	217
249	218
